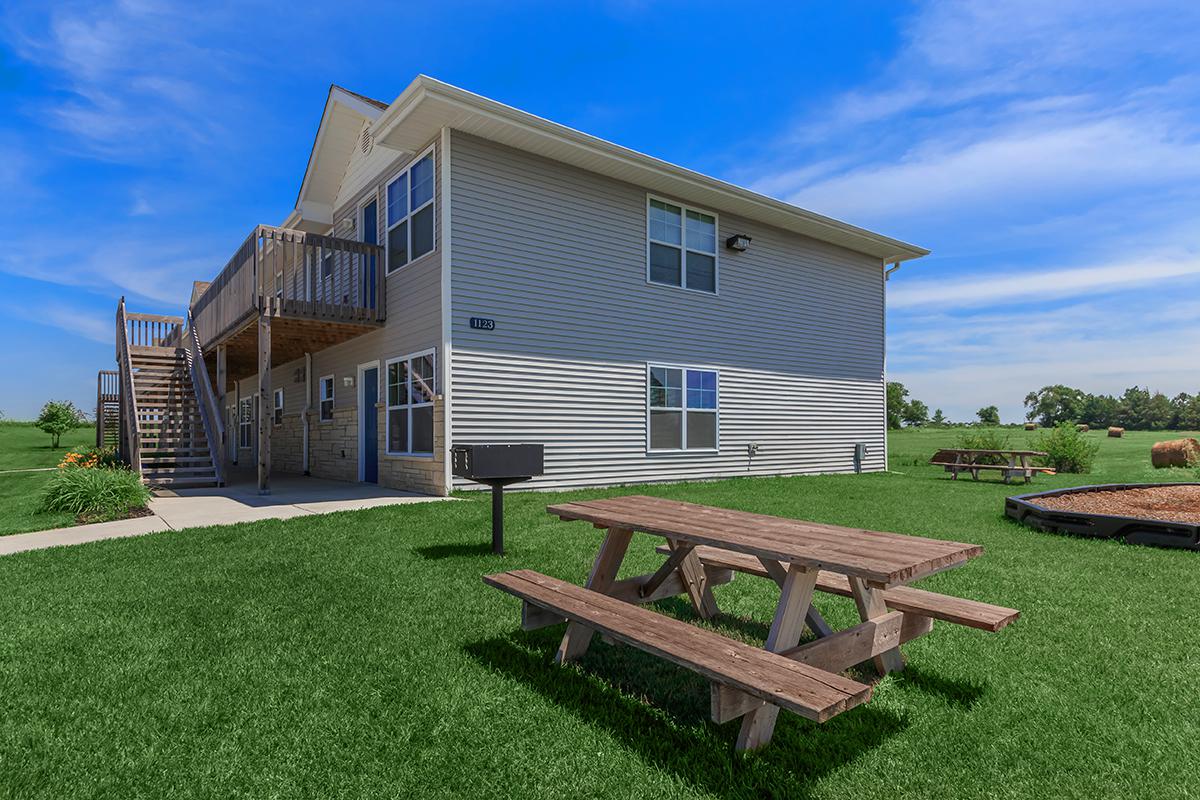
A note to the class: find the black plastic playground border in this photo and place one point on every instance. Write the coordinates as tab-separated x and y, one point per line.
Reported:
1134	530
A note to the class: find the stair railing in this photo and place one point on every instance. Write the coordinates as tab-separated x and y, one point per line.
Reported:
210	414
130	425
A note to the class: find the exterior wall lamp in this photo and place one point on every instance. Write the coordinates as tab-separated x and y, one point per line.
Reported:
739	242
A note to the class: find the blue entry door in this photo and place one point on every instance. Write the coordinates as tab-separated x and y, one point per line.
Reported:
368	417
370	235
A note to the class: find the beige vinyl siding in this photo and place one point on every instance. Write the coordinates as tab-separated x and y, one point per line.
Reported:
557	257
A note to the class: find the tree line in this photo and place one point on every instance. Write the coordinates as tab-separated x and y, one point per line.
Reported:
1136	409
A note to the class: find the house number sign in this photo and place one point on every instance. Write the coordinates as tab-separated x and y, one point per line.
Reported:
483	324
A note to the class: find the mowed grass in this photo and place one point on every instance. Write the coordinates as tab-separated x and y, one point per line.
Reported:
24	447
360	655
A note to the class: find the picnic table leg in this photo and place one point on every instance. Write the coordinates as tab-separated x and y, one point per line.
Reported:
604	573
813	619
695	580
871	605
795	597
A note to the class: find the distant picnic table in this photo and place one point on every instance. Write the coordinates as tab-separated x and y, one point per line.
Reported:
1016	462
704	548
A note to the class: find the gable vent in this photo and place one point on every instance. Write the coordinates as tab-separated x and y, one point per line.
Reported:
366	142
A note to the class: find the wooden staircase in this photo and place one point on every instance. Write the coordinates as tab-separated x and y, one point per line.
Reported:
174	447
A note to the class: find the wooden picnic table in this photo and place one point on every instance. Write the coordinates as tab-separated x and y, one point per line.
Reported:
704	547
1017	462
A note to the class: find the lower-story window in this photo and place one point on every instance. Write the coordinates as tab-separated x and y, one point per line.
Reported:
245	422
326	398
410	393
277	416
683	408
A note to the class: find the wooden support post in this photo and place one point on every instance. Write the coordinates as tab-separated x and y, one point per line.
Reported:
264	403
604	572
795	596
871	606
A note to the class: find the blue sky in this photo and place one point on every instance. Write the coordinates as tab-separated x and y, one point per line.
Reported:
1048	153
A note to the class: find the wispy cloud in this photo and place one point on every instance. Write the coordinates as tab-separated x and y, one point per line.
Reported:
1043	285
1049	155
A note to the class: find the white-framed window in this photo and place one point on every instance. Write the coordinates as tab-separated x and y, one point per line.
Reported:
410	213
682	408
246	422
410	392
277	411
326	398
681	246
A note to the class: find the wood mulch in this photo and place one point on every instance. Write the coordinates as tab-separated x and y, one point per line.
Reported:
1170	503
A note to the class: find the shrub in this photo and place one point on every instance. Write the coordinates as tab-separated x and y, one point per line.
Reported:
101	493
984	440
58	418
1068	450
91	458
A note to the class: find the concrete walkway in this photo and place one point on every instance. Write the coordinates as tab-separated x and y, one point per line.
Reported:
291	496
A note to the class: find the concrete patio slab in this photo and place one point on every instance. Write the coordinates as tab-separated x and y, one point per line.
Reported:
291	496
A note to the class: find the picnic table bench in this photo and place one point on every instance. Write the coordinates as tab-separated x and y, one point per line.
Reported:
706	547
1016	462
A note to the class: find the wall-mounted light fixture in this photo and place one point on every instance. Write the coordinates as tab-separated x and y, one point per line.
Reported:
739	241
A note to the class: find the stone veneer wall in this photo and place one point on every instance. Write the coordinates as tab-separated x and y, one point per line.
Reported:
333	450
417	473
333	445
287	444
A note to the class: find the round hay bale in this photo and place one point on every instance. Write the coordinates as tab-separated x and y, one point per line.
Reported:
1082	427
1175	453
1031	426
1115	432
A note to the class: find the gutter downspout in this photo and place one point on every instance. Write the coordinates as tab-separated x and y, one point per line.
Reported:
887	273
307	405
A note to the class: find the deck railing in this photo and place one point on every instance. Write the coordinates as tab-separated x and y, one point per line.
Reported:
210	412
131	436
108	408
292	273
153	330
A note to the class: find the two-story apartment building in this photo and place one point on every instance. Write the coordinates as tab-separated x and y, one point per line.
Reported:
456	270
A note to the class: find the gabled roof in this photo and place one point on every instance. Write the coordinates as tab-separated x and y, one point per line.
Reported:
428	105
337	136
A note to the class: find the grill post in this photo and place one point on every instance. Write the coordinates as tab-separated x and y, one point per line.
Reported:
498	518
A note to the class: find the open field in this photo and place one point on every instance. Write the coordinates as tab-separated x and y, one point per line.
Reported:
359	654
22	447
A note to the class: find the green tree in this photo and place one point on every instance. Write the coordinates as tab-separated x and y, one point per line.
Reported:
916	413
938	418
1051	405
988	415
58	418
1187	412
1101	410
895	403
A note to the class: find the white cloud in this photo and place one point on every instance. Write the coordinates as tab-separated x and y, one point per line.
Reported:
1007	286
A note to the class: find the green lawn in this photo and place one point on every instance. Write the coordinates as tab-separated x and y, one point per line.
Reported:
24	447
359	655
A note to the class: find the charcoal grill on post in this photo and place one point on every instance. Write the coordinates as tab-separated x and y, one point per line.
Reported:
497	466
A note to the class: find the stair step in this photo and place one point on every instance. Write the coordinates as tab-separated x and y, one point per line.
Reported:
179	470
155	459
194	482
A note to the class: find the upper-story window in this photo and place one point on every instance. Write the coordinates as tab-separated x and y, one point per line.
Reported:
410	214
682	247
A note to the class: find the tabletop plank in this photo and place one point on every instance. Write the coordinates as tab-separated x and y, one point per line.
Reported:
881	558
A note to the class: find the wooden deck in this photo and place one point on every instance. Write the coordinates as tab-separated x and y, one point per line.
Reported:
317	290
